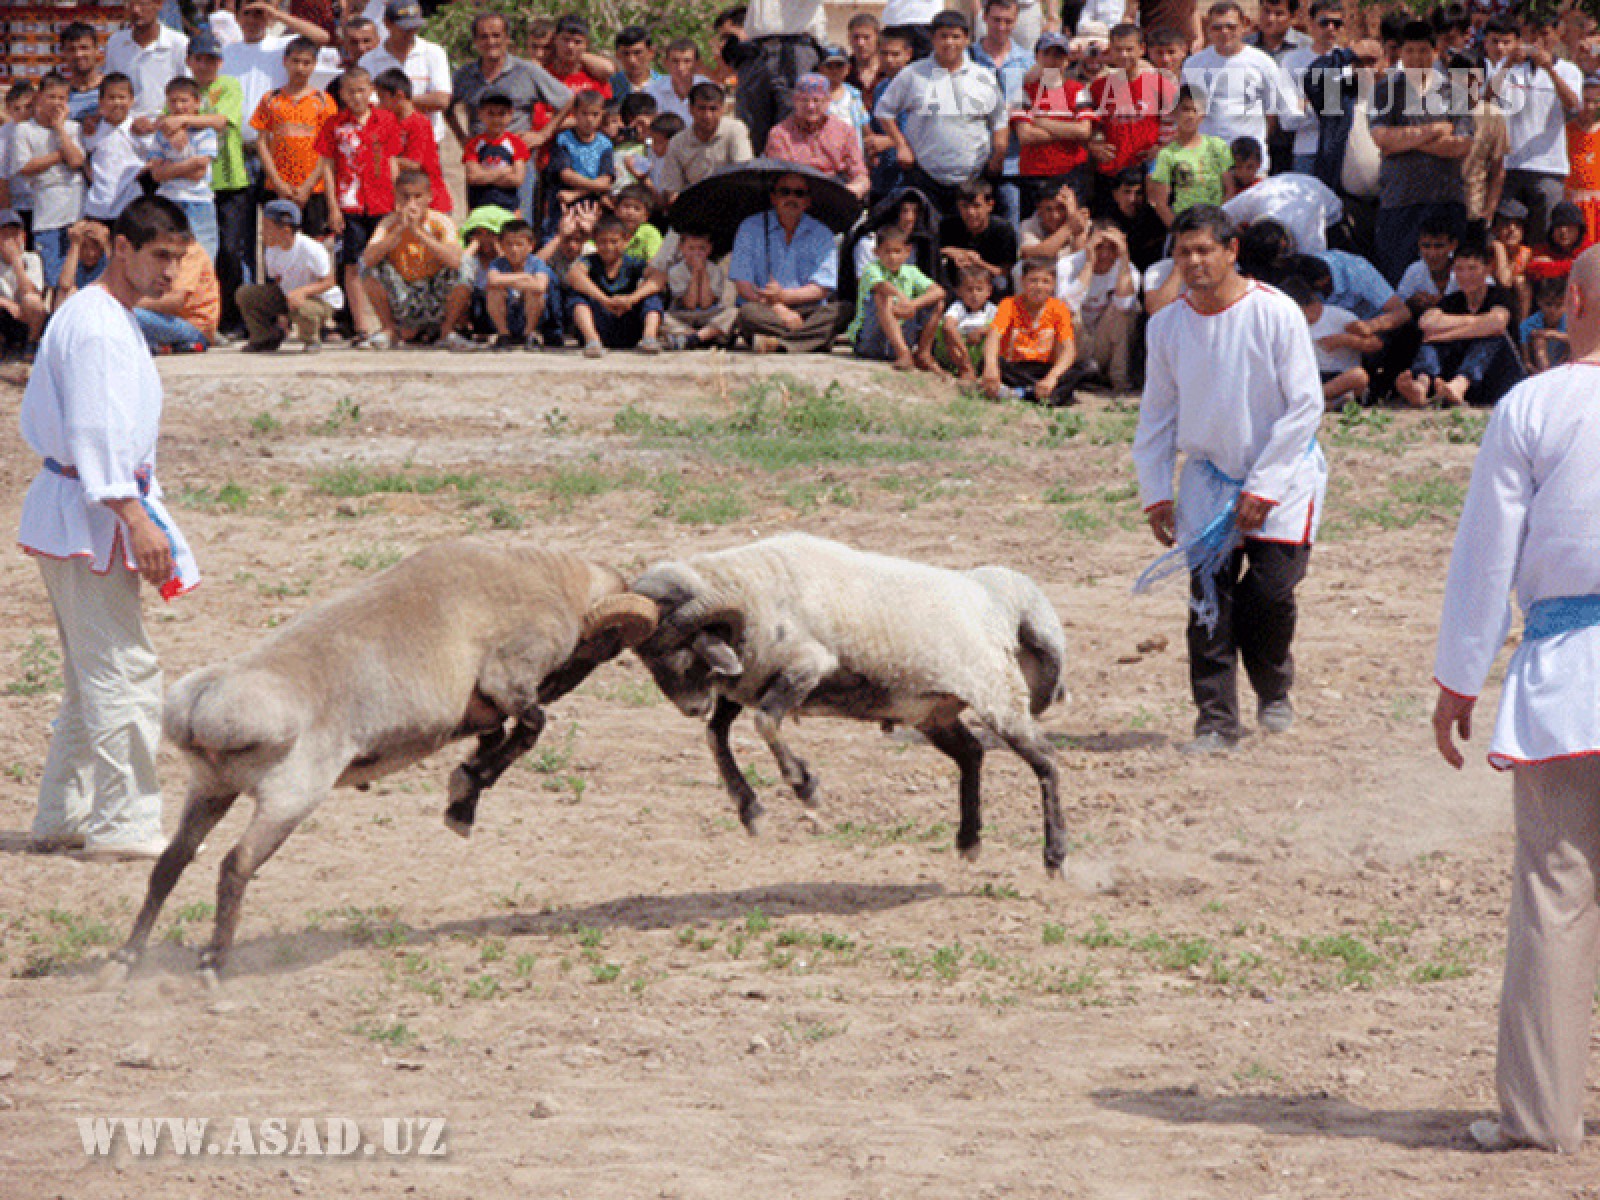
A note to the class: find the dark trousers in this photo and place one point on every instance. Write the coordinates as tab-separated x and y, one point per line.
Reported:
1397	230
1025	377
236	249
941	195
1489	365
1255	622
1540	192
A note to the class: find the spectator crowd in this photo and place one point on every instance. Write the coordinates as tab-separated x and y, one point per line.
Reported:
1418	186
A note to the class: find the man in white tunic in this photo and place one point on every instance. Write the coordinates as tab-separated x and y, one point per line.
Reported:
1532	524
94	521
1232	383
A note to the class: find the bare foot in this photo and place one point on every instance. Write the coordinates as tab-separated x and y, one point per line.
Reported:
905	363
1452	394
927	362
1412	390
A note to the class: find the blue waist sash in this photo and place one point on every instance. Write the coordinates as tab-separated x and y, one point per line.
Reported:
1560	614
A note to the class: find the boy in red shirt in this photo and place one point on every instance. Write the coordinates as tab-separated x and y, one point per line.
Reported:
495	161
417	147
358	148
1129	100
1029	350
1054	129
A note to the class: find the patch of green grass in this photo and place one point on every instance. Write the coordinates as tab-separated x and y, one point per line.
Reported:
230	497
998	891
1452	959
852	833
482	987
504	516
712	505
396	1033
374	558
265	422
346	412
352	482
1100	935
65	939
1409	502
1054	935
1358	963
756	922
605	972
38	669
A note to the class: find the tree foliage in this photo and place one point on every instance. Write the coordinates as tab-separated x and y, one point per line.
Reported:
451	25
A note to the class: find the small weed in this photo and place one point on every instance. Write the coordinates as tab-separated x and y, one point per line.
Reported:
755	778
523	967
756	922
345	412
39	667
265	422
483	987
1054	935
589	937
397	1034
1359	962
552	760
492	950
1257	1072
1101	935
605	972
999	891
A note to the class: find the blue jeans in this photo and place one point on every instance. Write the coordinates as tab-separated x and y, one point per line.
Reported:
52	247
1489	365
161	330
1305	164
616	333
873	343
202	216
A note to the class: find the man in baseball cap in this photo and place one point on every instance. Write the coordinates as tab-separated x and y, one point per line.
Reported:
404	14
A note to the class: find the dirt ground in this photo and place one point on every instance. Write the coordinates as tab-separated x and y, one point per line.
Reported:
1267	975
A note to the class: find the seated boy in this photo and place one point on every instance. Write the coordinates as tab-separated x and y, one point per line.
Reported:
496	162
467	306
88	253
1512	254
301	289
1466	356
183	319
613	305
703	307
1432	277
561	253
966	322
632	149
518	289
22	306
1340	341
1101	287
632	205
897	307
410	265
1544	334
1030	348
975	236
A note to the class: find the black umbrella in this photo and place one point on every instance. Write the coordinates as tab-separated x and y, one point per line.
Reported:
730	194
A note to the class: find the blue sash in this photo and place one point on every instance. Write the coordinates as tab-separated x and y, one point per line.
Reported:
1560	614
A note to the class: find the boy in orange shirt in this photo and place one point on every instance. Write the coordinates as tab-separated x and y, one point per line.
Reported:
1029	351
287	122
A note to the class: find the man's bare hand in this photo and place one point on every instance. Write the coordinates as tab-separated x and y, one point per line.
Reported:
1163	523
1450	714
1251	513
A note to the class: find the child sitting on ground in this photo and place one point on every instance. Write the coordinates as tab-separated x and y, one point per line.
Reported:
302	287
897	306
1466	357
1340	341
976	237
467	305
966	322
1544	334
613	306
1432	277
1029	350
1511	252
22	306
495	161
632	206
1245	172
561	253
518	289
704	305
1564	241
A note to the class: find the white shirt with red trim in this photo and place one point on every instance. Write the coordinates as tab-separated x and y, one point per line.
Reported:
1531	523
1239	389
93	405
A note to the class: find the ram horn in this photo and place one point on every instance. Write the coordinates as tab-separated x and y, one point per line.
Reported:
632	615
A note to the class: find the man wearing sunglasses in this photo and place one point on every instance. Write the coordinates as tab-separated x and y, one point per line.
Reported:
1327	35
785	269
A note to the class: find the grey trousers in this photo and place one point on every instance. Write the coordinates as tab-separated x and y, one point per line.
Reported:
1552	953
822	324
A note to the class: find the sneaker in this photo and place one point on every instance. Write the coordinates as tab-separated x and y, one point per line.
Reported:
312	347
503	342
675	342
1275	716
267	346
454	342
534	344
1208	743
1490	1136
376	341
649	346
594	350
123	852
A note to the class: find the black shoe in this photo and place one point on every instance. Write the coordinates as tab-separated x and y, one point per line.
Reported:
503	342
269	346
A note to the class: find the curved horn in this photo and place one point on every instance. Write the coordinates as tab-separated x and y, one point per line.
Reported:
632	615
706	615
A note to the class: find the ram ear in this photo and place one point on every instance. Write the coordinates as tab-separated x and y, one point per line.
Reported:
718	655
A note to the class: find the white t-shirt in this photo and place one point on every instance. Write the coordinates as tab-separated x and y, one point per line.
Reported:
116	157
1295	64
32	267
1107	12
57	192
1418	279
910	12
972	325
21	186
1302	204
1536	124
1241	90
1089	301
1334	320
427	68
258	66
306	261
773	18
150	67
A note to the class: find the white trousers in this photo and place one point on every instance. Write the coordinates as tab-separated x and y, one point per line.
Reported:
100	774
1552	953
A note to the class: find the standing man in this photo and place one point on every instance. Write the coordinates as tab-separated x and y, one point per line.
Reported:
782	43
1539	93
1528	525
423	62
1248	435
1242	85
955	117
80	63
148	53
93	518
497	70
